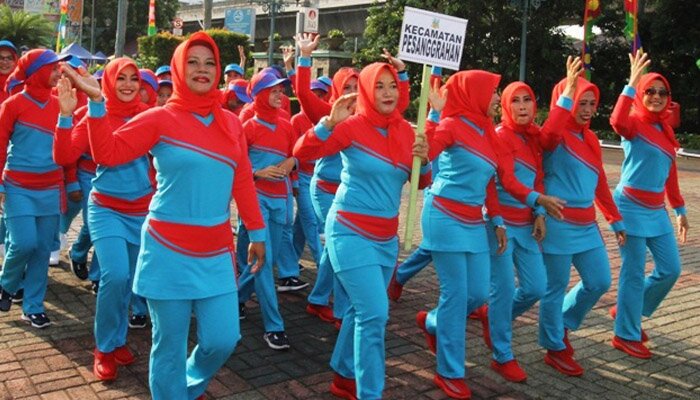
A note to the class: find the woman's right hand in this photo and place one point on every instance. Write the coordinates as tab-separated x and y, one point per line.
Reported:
574	69
256	252
307	42
342	109
552	204
67	98
85	82
272	172
638	64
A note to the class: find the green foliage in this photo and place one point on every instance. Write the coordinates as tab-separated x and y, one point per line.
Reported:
158	49
336	33
21	28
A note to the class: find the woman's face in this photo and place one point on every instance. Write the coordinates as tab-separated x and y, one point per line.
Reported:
128	84
656	96
350	86
55	74
7	61
494	104
275	98
164	93
522	107
200	72
386	93
586	108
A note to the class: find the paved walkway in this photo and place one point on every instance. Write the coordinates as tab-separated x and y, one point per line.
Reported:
56	363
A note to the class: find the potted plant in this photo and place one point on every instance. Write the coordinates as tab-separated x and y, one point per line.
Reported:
335	39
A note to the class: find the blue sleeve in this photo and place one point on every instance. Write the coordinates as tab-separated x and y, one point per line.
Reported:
73	187
629	91
436	71
304	61
291	73
403	76
257	235
531	199
618	226
96	109
424	169
679	211
497	221
566	103
434	116
322	132
539	210
65	122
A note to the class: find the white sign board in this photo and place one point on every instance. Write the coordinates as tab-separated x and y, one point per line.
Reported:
432	38
311	20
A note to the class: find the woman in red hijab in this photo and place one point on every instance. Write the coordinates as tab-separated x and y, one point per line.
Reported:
186	263
117	208
8	61
377	146
649	174
32	186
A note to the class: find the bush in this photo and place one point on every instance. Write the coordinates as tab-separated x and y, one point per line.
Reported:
21	28
228	43
336	33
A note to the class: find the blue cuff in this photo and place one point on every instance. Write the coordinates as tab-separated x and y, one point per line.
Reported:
629	91
96	109
65	122
434	116
403	76
291	73
257	235
618	226
539	210
2	188
436	71
322	132
424	169
295	184
531	199
497	221
679	211
72	187
304	62
566	103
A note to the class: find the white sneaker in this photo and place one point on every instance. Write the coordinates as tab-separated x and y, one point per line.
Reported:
53	258
64	241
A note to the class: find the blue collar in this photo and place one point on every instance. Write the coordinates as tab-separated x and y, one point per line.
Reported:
265	123
204	120
35	101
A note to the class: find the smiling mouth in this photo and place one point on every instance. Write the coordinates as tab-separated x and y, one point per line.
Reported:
201	79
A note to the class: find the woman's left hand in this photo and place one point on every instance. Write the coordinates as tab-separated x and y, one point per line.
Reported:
256	252
502	240
683	227
621	237
420	148
539	228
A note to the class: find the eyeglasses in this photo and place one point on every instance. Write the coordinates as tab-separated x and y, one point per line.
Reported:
8	58
661	92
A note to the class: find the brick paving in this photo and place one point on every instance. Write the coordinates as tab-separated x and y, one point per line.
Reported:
56	363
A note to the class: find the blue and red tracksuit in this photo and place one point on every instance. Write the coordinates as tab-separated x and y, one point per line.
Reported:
573	172
117	208
361	239
34	195
648	173
186	264
269	144
521	157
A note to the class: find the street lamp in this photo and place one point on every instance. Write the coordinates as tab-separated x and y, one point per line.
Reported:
525	4
272	8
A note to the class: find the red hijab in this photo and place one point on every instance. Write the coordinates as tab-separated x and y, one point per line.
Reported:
340	79
261	100
34	70
394	123
582	86
531	129
183	99
641	112
469	95
115	106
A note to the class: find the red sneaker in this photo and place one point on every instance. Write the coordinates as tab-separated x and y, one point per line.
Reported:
123	356
395	289
325	313
480	313
510	370
454	388
569	348
430	339
613	313
631	347
563	362
343	387
105	366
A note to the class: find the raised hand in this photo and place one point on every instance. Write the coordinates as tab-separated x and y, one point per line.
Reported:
288	57
638	64
343	108
84	81
398	64
437	97
307	42
242	56
574	69
67	97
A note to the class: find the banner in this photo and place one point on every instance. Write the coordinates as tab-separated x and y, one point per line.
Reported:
152	18
241	20
310	20
631	31
590	16
432	39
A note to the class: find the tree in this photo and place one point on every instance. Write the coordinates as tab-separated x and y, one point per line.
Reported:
21	28
137	20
